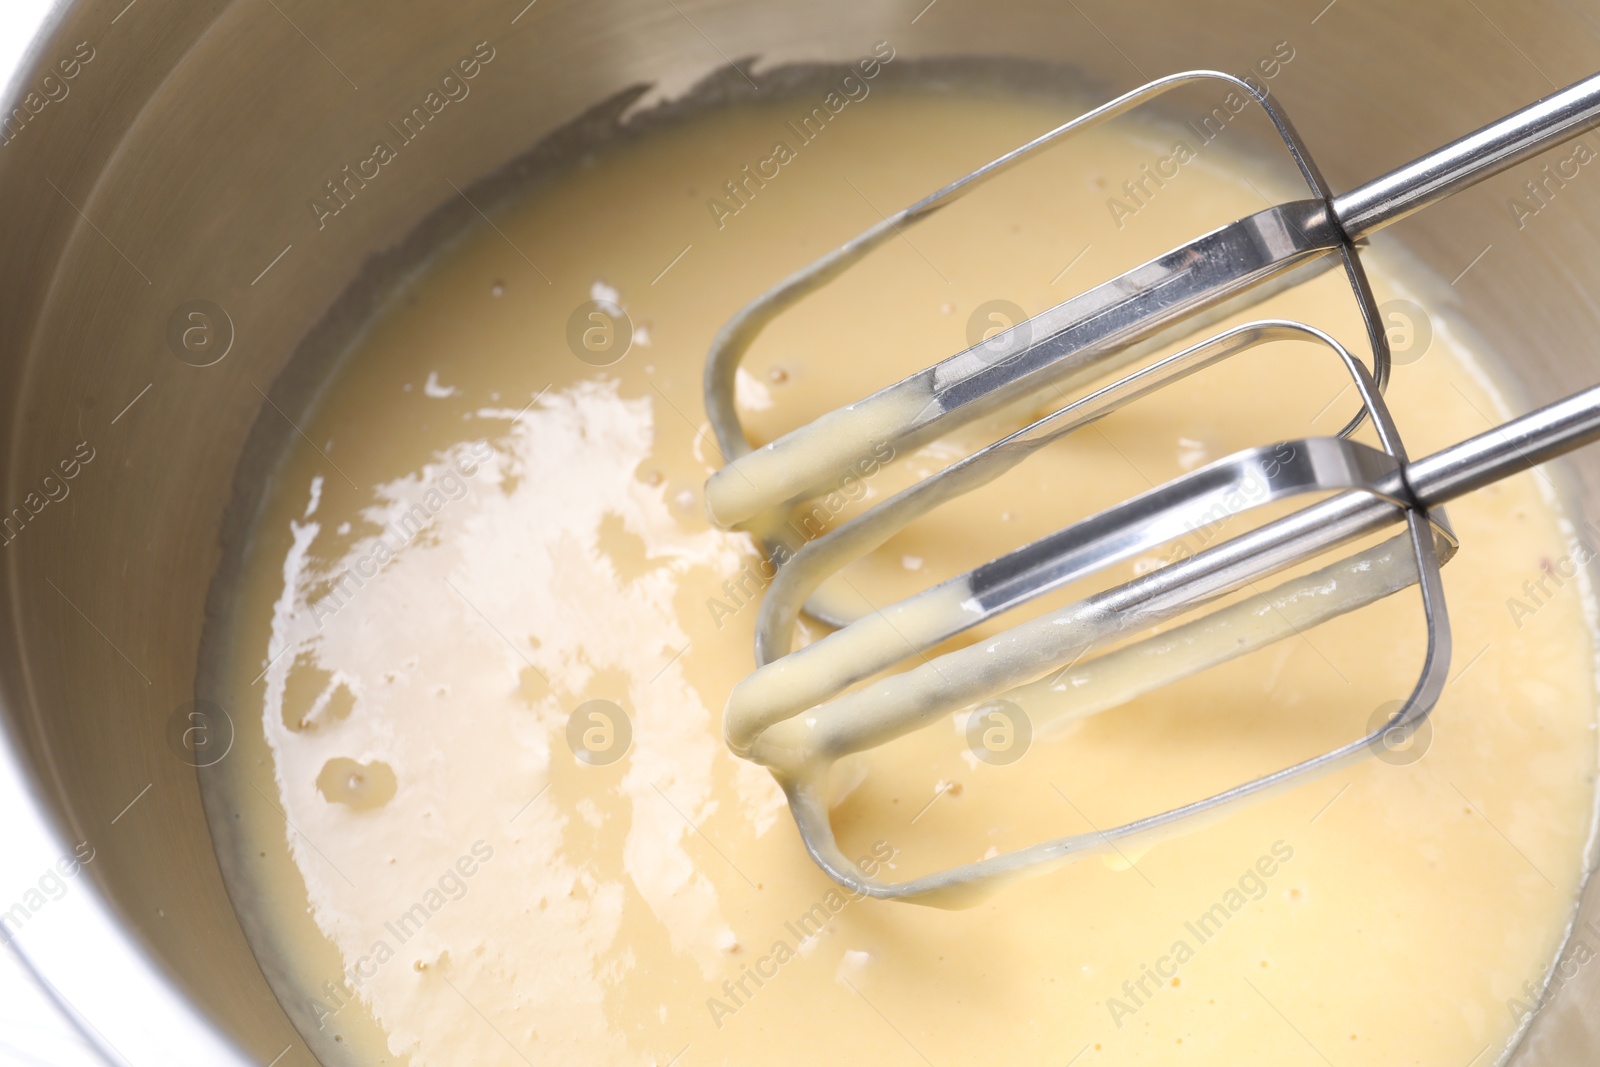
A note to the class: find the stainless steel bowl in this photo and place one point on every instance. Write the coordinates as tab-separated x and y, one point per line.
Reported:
155	216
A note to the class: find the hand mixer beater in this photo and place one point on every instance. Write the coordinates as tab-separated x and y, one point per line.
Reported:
803	709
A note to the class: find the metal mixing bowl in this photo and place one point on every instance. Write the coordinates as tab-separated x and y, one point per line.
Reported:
171	176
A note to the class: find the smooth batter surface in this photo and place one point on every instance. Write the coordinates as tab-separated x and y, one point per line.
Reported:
431	876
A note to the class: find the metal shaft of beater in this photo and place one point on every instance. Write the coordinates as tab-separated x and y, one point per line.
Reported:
1431	481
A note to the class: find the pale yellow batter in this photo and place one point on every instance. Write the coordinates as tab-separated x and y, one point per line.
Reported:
432	876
